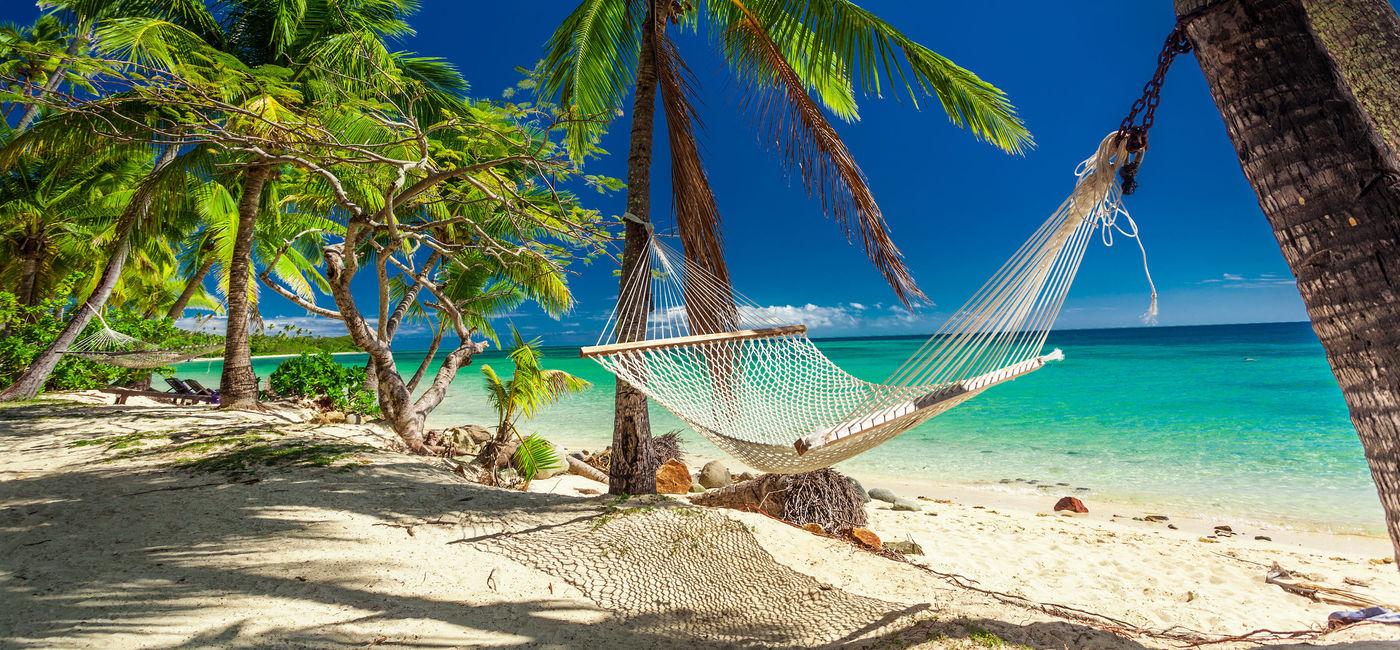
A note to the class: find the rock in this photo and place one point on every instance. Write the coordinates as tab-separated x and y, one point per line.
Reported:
1382	560
813	527
462	441
859	488
904	548
1155	518
696	488
335	416
1172	526
1071	504
883	494
866	538
673	478
586	491
744	476
1224	530
715	475
1263	538
1081	489
906	505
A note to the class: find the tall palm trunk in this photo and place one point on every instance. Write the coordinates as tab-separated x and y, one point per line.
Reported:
1322	158
630	471
238	386
191	286
32	380
31	258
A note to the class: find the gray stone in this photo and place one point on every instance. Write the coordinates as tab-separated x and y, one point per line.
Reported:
907	505
859	488
715	475
905	548
743	476
884	494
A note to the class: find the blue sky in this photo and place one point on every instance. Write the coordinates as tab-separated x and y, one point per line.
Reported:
958	208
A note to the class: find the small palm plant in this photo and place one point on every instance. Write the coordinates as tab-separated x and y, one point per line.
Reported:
529	390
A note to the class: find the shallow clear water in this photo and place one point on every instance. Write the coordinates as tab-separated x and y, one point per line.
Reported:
1240	420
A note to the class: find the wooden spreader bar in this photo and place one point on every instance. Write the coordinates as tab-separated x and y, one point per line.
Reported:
682	341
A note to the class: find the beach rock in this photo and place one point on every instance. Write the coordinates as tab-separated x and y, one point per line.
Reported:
1224	531
1172	526
1071	504
715	475
1155	518
813	527
673	478
906	505
866	538
462	441
859	488
883	494
335	417
1263	538
905	548
696	488
743	476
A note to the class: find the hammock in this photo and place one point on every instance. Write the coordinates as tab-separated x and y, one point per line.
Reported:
116	349
754	384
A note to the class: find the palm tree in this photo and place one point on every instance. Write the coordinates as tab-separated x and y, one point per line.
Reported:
531	388
791	57
1308	92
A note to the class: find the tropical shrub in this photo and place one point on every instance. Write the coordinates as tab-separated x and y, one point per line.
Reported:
313	376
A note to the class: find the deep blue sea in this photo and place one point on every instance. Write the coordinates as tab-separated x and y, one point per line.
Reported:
1240	420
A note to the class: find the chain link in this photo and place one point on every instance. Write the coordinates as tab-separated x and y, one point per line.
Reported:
1136	134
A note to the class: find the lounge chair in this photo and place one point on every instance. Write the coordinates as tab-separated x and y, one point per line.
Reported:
199	388
186	393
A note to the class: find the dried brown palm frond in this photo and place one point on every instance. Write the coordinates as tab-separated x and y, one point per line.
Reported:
790	121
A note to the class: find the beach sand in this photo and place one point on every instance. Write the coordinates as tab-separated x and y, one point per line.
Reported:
107	540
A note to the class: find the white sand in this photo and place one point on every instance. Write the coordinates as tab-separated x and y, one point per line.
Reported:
97	551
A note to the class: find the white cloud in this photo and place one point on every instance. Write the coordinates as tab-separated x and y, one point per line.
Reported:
857	306
1238	281
845	319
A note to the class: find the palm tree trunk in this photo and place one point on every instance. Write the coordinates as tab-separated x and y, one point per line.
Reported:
31	258
1321	155
32	380
630	470
80	38
191	286
238	387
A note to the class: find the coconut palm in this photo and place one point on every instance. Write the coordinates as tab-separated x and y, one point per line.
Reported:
1326	180
791	58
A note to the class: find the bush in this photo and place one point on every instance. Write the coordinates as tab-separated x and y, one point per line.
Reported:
313	376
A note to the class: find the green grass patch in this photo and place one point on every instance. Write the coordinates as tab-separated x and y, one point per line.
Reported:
245	457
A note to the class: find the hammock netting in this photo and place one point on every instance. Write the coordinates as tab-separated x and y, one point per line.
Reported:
756	385
116	349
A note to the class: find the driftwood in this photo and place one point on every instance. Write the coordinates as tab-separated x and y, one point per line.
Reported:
585	470
1292	584
823	497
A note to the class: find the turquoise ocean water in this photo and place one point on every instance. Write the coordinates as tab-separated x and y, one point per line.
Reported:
1237	420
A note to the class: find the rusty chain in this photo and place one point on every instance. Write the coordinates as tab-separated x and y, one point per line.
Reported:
1136	134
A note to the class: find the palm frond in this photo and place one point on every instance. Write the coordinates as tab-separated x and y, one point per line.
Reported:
590	63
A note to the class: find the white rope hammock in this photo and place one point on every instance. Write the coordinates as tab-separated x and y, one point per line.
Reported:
760	389
116	349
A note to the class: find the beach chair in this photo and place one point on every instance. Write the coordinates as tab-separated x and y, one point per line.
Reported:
199	388
185	393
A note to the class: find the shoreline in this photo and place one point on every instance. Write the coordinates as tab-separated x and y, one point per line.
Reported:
262	356
1312	535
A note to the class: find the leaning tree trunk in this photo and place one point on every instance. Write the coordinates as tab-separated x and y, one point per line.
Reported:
1322	160
238	387
191	286
630	470
32	380
80	38
31	253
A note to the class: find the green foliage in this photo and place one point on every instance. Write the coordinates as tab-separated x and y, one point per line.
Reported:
533	454
27	331
530	389
320	376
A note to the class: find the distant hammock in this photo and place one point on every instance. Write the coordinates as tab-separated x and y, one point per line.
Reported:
113	348
758	387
